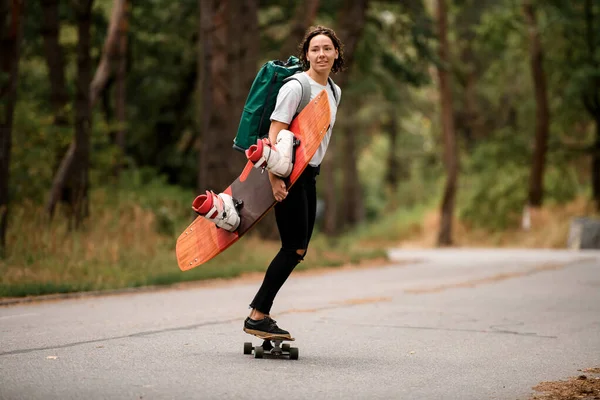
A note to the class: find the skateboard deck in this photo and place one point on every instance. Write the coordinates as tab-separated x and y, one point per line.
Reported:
272	347
202	240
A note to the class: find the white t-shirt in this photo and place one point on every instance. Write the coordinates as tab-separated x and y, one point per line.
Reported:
288	99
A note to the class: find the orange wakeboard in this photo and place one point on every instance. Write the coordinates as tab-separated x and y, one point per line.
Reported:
202	240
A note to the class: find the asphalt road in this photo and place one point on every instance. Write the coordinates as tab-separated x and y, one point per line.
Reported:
436	324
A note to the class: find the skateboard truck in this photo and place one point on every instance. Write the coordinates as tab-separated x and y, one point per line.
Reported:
273	347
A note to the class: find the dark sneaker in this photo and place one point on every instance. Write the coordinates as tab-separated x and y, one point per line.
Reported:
265	328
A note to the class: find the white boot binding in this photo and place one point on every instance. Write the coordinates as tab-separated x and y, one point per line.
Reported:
278	158
219	209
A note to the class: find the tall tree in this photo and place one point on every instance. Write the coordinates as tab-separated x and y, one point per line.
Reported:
450	145
227	65
204	103
542	113
394	171
111	50
351	22
55	61
83	113
243	55
11	12
64	178
121	83
214	171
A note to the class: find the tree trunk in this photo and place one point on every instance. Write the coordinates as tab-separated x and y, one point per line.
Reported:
11	12
474	131
350	26
542	114
234	29
55	61
217	167
393	168
204	103
110	49
250	49
472	128
121	88
304	15
243	54
450	146
81	155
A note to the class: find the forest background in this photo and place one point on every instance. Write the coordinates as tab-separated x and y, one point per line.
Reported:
462	122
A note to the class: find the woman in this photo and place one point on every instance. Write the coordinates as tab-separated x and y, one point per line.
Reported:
321	54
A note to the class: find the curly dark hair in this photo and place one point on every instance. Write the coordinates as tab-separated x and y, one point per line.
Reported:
338	64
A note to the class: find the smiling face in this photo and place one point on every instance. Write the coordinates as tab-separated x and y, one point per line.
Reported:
321	54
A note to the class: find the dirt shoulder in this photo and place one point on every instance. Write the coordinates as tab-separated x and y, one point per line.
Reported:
583	387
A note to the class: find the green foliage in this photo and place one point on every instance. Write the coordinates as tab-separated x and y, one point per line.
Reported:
496	178
574	36
372	170
418	177
389	228
496	197
561	184
393	50
34	152
160	87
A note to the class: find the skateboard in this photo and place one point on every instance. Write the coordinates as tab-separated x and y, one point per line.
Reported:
202	240
272	347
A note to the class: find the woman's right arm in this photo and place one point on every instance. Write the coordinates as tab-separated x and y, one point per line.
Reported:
278	185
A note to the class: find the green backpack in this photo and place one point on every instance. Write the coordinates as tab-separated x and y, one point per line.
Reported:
261	100
260	103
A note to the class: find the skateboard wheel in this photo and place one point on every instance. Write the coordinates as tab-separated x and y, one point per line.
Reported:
294	354
258	352
285	347
247	348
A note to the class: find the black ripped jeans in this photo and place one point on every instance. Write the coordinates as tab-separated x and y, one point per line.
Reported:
295	220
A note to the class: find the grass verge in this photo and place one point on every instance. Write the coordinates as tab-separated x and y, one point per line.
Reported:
130	242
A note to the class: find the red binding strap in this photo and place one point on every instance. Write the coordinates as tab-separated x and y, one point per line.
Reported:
203	203
254	153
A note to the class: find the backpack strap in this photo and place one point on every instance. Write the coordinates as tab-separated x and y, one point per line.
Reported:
304	82
335	94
